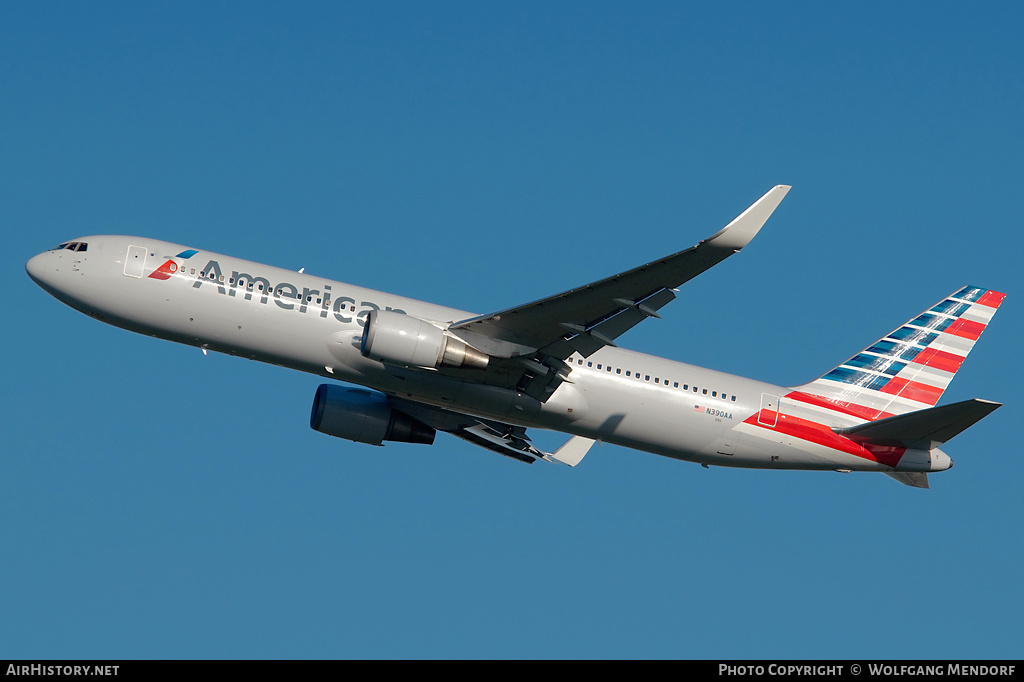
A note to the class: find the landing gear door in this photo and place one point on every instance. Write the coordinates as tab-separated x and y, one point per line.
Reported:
769	413
135	261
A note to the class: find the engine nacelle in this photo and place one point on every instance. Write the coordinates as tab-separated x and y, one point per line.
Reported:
365	417
407	341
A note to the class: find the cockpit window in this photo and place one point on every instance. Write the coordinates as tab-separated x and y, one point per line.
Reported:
71	246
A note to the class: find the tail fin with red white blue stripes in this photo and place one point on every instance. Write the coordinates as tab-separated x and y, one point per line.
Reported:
910	367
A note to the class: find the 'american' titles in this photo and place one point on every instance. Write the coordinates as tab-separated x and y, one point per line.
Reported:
285	294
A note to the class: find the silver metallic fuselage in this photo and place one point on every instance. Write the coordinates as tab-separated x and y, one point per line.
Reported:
312	324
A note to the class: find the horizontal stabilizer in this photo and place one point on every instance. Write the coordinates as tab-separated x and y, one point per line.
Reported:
915	479
923	429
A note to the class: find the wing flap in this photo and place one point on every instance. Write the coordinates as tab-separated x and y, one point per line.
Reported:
603	333
504	444
505	439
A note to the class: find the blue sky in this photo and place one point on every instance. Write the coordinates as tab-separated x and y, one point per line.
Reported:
156	503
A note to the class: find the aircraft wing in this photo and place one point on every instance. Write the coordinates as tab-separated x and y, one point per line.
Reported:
589	317
505	439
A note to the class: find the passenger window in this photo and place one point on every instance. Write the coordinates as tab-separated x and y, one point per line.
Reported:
618	371
734	398
705	391
714	394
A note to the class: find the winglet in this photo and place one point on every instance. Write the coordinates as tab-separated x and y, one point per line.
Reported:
740	231
572	452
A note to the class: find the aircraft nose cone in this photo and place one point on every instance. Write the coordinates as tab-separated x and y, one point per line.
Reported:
37	267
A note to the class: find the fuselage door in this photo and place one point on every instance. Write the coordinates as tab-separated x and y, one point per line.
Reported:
135	261
769	413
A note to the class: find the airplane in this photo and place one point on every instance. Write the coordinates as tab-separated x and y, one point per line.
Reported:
400	369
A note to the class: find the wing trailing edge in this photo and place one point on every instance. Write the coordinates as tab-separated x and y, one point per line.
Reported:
505	439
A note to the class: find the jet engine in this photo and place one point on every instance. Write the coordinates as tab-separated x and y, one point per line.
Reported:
407	341
364	416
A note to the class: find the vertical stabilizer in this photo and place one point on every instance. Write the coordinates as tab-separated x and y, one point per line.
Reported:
909	368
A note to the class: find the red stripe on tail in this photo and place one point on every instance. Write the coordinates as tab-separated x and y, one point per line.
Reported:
939	359
992	299
913	390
